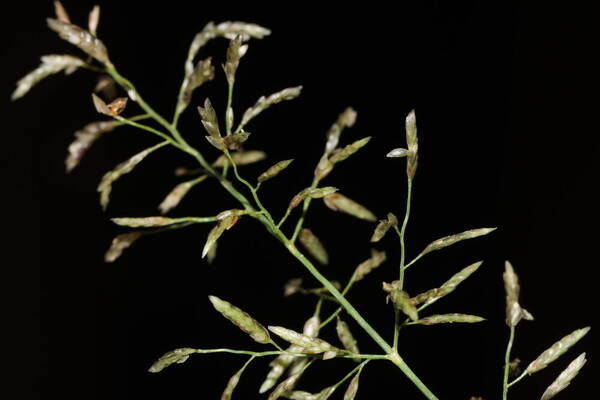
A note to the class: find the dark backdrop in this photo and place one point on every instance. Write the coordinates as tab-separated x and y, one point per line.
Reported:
501	92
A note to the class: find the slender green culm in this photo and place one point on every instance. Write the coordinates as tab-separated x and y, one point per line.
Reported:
291	351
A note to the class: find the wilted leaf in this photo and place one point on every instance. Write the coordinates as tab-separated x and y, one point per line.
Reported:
125	167
339	202
564	379
265	102
51	64
80	38
556	350
84	138
449	318
274	170
176	356
314	246
241	319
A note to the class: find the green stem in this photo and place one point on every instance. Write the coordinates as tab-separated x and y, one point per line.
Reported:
274	230
402	235
523	375
351	373
305	206
339	309
507	363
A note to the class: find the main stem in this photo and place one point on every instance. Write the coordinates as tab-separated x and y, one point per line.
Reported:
507	363
275	231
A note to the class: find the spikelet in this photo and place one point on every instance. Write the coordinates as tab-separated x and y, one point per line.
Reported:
84	138
241	319
346	337
113	109
381	229
556	350
235	140
314	246
216	232
309	345
274	170
119	244
235	52
314	193
377	258
105	186
284	386
449	318
292	286
265	102
61	13
514	311
397	153
233	382
324	168
401	299
175	196
145	222
352	389
413	144
94	19
81	38
564	379
433	295
211	124
339	202
175	356
203	72
242	158
451	239
51	64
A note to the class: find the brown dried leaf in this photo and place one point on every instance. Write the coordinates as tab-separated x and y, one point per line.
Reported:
123	168
265	102
556	350
119	244
51	64
84	138
241	319
339	202
93	20
314	246
80	38
274	170
176	356
564	379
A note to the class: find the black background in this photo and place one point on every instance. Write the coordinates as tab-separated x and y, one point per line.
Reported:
501	93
